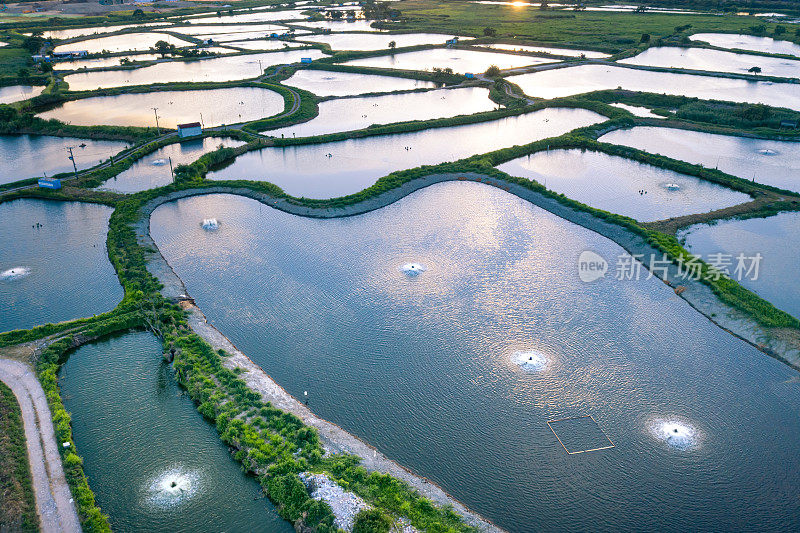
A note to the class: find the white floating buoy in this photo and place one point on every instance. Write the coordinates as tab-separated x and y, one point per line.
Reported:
65	445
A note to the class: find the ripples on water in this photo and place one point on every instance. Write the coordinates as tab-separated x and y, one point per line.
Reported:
154	463
775	163
334	169
622	186
424	370
66	269
776	238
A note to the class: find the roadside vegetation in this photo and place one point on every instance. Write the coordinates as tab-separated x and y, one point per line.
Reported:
17	505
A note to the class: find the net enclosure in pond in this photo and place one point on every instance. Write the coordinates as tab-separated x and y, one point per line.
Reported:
580	434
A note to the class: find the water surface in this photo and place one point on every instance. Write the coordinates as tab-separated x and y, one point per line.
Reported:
338	168
134	426
423	368
376	41
638	111
622	186
217	106
215	69
325	83
122	43
776	238
15	93
748	42
153	170
356	113
102	62
78	32
714	60
34	156
210	29
68	274
459	60
251	17
341	25
775	163
547	50
586	78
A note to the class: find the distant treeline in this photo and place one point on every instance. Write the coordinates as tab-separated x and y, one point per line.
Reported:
780	6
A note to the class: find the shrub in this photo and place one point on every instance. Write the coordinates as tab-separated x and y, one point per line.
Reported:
372	521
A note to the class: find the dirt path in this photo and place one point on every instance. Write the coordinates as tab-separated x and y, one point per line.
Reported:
54	503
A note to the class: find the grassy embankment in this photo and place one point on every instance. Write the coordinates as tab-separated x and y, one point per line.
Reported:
17	503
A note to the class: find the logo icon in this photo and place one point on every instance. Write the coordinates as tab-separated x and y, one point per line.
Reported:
591	266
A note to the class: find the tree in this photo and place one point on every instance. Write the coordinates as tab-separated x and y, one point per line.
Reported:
645	38
489	32
33	44
392	45
754	70
780	30
372	521
138	14
492	72
163	47
544	5
336	14
45	66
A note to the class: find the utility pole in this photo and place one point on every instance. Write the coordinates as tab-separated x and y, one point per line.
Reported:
202	124
172	172
72	158
155	112
260	70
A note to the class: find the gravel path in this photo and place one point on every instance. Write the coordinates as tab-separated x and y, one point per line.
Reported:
54	503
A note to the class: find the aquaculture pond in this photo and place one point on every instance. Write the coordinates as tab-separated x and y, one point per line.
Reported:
347	114
217	106
344	167
459	60
206	29
776	238
586	78
263	44
432	367
139	433
122	43
775	163
749	42
53	262
341	25
214	69
154	170
101	62
250	17
15	93
715	60
589	54
376	41
638	111
78	32
239	35
622	186
34	156
325	83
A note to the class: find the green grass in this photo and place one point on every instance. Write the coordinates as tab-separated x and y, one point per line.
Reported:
17	504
